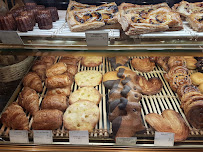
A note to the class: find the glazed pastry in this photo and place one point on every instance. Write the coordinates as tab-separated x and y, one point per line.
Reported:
179	79
197	78
185	88
30	6
81	115
143	65
85	93
33	81
73	5
191	101
56	69
15	118
128	125
58	81
92	18
169	121
88	78
91	61
118	61
47	119
174	70
29	100
109	78
60	91
31	16
151	86
40	68
24	23
176	61
55	102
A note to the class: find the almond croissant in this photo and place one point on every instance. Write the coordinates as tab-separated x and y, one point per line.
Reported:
29	100
15	118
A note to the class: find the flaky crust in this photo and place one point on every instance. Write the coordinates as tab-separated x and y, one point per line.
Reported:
195	21
169	121
56	69
143	65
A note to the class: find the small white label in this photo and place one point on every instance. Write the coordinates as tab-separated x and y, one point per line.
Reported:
164	139
18	136
79	137
96	39
43	136
126	140
10	37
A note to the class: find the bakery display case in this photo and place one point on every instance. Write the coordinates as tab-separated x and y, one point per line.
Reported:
123	72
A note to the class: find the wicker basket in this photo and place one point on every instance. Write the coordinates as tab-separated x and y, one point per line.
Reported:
15	71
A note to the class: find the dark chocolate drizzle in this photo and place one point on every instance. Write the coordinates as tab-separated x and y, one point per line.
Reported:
116	125
109	84
120	72
126	80
123	103
113	105
125	91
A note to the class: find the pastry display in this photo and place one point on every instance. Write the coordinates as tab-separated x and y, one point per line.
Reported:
88	78
143	65
85	93
169	121
92	17
91	61
56	69
55	102
47	119
151	86
15	118
33	81
81	115
109	78
29	100
197	78
129	124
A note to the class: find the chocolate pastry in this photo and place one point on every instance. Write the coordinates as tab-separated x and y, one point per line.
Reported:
24	23
185	88
115	92
118	61
169	121
44	19
174	70
114	111
109	78
8	23
179	79
131	94
124	67
128	125
143	65
132	84
151	86
199	65
30	6
176	61
31	15
54	13
122	73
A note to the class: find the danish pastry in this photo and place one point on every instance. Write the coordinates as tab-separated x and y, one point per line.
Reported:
143	65
185	88
176	61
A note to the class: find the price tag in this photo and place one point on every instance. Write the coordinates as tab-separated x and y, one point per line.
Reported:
18	136
126	140
96	39
164	139
10	37
79	137
43	136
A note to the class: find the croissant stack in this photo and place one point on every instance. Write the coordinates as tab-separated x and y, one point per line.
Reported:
29	100
33	81
15	118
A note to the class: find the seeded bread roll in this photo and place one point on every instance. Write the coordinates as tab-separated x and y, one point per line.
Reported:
81	115
85	93
88	78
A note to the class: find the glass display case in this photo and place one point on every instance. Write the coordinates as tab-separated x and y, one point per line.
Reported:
144	79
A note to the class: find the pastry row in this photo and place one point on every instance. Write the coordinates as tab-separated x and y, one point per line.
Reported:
134	19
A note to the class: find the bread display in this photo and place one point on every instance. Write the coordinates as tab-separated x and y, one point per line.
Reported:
169	121
81	115
129	124
91	61
85	93
47	119
143	65
15	118
88	78
58	81
29	100
91	17
55	102
56	69
33	81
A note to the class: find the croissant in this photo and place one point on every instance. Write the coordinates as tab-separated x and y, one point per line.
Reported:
29	100
40	68
56	69
33	81
48	60
15	118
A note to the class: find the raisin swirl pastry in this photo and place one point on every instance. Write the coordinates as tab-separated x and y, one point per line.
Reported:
176	61
185	88
179	79
93	17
